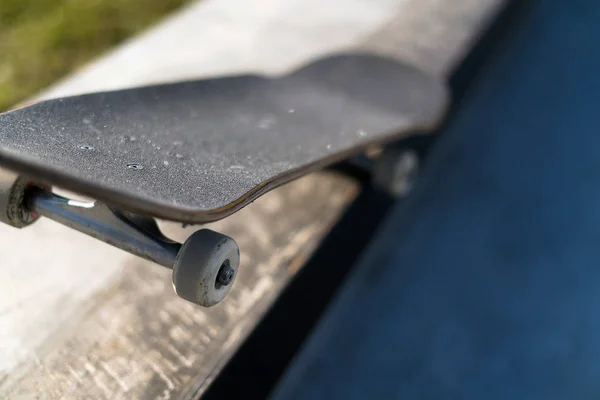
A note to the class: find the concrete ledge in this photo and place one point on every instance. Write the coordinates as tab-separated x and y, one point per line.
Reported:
81	319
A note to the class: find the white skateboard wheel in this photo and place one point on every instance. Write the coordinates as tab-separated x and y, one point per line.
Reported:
12	197
206	267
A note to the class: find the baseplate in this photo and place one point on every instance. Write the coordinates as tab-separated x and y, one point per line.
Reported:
199	151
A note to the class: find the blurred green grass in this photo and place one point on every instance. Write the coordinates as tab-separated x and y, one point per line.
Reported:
43	40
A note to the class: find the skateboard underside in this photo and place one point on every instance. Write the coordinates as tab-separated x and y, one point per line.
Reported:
199	151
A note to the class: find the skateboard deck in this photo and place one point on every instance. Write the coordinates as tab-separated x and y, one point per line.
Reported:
199	151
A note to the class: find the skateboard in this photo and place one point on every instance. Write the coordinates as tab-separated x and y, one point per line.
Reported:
199	151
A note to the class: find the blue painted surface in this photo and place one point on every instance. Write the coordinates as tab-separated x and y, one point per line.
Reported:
485	283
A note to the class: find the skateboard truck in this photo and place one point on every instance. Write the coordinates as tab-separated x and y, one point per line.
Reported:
204	266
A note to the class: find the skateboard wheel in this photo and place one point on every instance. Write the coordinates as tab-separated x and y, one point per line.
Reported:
396	170
12	197
206	267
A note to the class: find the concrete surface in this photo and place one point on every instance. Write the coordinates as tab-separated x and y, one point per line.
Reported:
485	283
